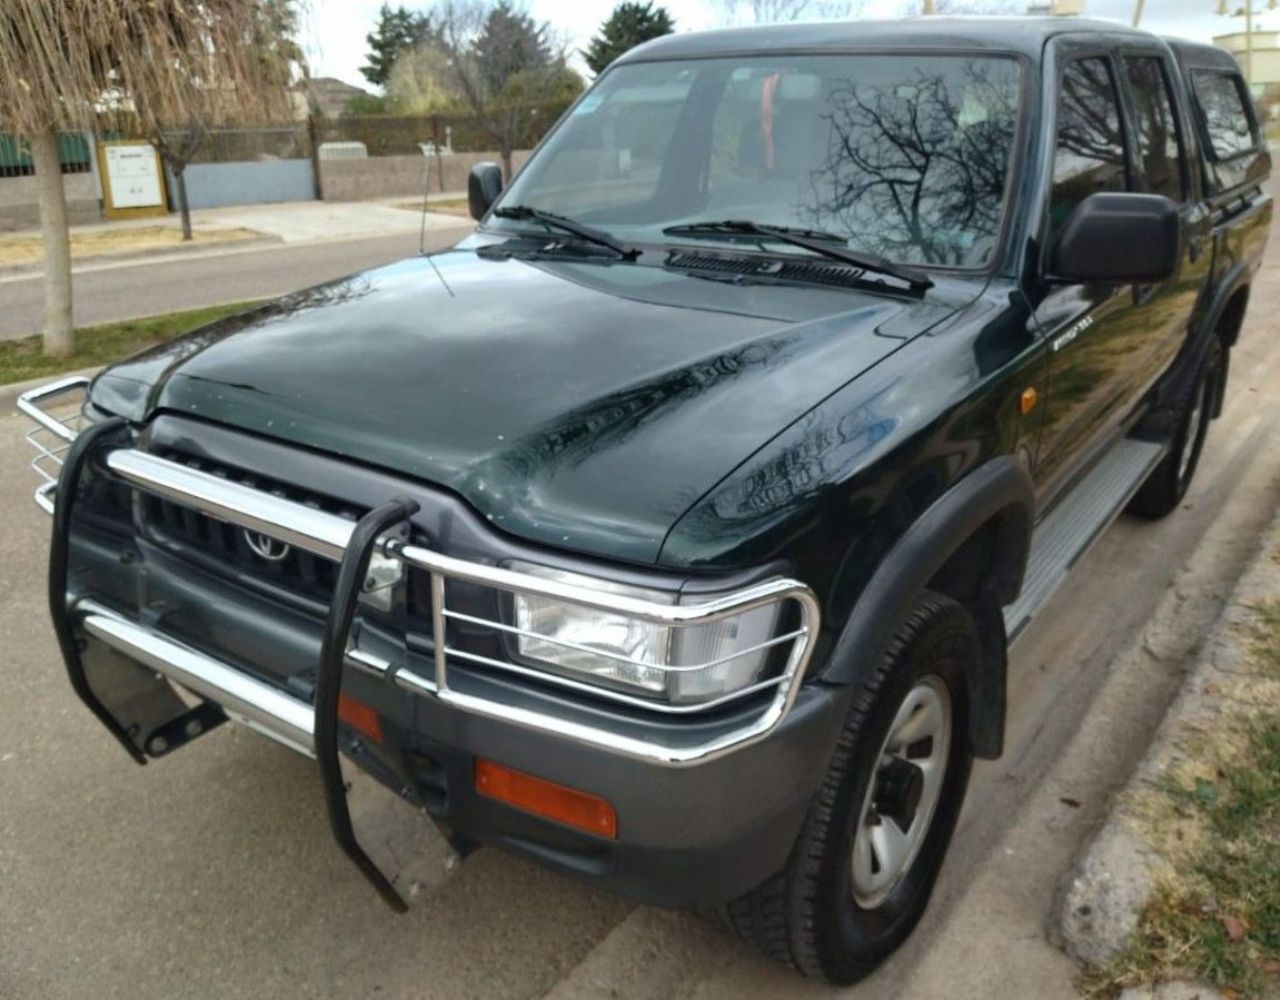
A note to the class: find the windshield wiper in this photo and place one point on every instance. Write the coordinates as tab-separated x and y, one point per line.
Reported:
831	245
580	229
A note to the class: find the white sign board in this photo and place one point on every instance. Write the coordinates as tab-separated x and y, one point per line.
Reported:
134	175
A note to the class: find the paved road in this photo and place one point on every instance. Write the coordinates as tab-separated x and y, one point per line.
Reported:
105	292
213	873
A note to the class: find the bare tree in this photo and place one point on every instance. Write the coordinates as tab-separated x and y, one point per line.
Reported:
268	33
507	67
914	172
778	11
987	7
61	62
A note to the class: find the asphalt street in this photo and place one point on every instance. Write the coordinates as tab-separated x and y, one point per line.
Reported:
107	291
213	873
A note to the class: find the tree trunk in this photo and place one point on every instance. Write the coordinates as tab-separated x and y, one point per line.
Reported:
506	163
58	333
184	209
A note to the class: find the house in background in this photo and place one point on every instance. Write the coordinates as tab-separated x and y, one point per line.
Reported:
1261	63
325	96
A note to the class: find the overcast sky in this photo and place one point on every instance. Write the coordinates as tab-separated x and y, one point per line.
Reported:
336	29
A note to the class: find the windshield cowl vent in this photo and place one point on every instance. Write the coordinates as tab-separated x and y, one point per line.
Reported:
818	272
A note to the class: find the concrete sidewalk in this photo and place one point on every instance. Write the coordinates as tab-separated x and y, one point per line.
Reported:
306	221
287	223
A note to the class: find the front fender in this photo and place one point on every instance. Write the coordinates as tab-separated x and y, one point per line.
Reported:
998	492
999	489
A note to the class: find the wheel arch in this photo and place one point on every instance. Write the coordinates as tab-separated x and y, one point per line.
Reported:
1227	314
970	544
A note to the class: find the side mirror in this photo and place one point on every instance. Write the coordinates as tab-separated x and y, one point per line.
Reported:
484	184
1118	239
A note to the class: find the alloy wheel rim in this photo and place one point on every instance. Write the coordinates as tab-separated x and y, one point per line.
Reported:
903	795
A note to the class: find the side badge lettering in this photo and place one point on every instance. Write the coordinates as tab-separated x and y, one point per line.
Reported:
1072	333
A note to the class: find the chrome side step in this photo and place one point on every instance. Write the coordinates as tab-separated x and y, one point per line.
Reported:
1078	520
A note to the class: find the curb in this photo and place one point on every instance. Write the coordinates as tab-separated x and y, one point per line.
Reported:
178	250
232	248
1114	875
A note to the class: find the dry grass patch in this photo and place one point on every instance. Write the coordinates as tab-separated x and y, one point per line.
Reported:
27	249
1214	822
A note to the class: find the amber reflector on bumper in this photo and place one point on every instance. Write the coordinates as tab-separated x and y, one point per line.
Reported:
359	717
545	798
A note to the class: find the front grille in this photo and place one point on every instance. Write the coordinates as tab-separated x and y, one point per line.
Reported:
229	547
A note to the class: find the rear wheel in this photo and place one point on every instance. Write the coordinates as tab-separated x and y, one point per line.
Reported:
864	866
1167	485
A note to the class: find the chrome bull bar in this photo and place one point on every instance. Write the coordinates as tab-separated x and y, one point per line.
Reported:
313	728
329	536
52	436
260	706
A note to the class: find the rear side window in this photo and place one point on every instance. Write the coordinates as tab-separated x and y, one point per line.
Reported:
1226	112
1159	151
1090	145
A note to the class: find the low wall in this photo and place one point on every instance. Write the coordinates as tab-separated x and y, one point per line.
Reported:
392	176
211	185
20	207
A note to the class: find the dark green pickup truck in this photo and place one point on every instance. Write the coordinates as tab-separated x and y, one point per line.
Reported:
673	528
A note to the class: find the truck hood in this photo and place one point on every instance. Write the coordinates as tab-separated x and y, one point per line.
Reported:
585	405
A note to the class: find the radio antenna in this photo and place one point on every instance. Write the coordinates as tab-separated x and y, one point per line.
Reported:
428	150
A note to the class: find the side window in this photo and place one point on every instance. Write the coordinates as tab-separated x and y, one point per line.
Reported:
1090	150
1226	116
1159	151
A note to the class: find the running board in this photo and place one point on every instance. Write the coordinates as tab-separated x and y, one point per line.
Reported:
1078	520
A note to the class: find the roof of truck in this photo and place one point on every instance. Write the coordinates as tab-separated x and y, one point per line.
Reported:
1020	34
1200	54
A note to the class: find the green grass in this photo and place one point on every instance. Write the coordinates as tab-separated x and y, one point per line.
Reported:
101	345
1216	917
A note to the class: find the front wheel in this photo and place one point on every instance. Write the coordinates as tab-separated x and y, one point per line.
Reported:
865	863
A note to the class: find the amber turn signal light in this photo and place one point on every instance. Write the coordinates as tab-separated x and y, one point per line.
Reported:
580	810
359	717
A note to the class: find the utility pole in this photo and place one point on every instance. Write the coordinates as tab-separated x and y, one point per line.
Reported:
1248	13
929	8
1137	12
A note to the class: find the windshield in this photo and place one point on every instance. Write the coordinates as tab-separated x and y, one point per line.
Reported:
906	156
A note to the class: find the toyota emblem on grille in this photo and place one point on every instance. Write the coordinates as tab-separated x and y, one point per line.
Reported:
266	547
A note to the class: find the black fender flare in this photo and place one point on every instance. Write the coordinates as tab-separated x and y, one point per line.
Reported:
999	489
1237	279
1182	379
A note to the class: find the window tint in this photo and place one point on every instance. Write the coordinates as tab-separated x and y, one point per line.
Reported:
1158	148
1221	99
1090	152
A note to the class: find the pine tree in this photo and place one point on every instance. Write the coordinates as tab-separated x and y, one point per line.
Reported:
628	26
397	30
510	43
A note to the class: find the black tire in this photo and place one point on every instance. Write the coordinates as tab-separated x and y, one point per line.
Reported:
1167	485
807	915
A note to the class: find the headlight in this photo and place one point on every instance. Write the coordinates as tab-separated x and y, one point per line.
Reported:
680	665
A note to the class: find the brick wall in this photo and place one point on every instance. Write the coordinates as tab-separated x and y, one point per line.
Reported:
392	176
